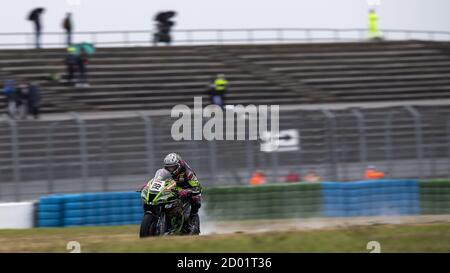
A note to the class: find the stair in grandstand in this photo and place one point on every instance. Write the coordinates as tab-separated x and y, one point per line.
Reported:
144	78
361	72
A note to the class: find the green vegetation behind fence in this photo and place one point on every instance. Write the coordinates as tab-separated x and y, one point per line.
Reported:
263	202
434	196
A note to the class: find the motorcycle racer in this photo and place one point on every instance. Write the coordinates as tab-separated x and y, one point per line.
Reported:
188	185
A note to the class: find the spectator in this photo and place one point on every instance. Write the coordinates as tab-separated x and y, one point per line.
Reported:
374	31
33	99
292	177
218	89
68	27
258	178
35	17
371	173
54	77
11	98
312	176
164	26
82	61
71	61
22	100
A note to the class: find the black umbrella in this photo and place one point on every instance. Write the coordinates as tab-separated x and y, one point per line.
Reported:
164	16
34	14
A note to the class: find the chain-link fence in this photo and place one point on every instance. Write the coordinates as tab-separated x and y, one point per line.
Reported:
97	154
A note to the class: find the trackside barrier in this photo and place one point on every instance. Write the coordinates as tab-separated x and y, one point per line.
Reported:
371	198
435	196
221	203
300	200
92	209
16	215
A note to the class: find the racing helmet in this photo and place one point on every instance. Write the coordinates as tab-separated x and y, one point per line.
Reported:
172	163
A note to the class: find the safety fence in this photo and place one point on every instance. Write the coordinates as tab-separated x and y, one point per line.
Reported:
83	155
302	200
216	36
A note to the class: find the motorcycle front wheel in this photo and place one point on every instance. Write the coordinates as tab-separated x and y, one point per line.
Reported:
148	226
162	225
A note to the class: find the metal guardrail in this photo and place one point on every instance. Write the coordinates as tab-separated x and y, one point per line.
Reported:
216	36
82	155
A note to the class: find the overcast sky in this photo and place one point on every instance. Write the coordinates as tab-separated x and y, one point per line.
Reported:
136	14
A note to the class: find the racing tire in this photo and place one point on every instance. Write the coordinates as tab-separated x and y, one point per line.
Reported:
148	226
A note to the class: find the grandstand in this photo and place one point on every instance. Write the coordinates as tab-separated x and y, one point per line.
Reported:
144	78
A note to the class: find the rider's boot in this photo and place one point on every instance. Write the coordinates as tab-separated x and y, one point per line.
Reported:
192	226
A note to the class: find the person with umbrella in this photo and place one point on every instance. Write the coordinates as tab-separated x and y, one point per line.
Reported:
164	26
35	17
70	61
82	52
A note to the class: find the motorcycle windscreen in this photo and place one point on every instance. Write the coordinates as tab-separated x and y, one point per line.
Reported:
161	176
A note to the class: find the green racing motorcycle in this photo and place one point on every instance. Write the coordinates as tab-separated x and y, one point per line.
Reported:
165	212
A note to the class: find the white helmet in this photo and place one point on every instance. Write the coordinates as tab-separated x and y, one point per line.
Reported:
172	163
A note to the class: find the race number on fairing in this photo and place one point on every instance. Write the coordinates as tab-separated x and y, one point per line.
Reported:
157	186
